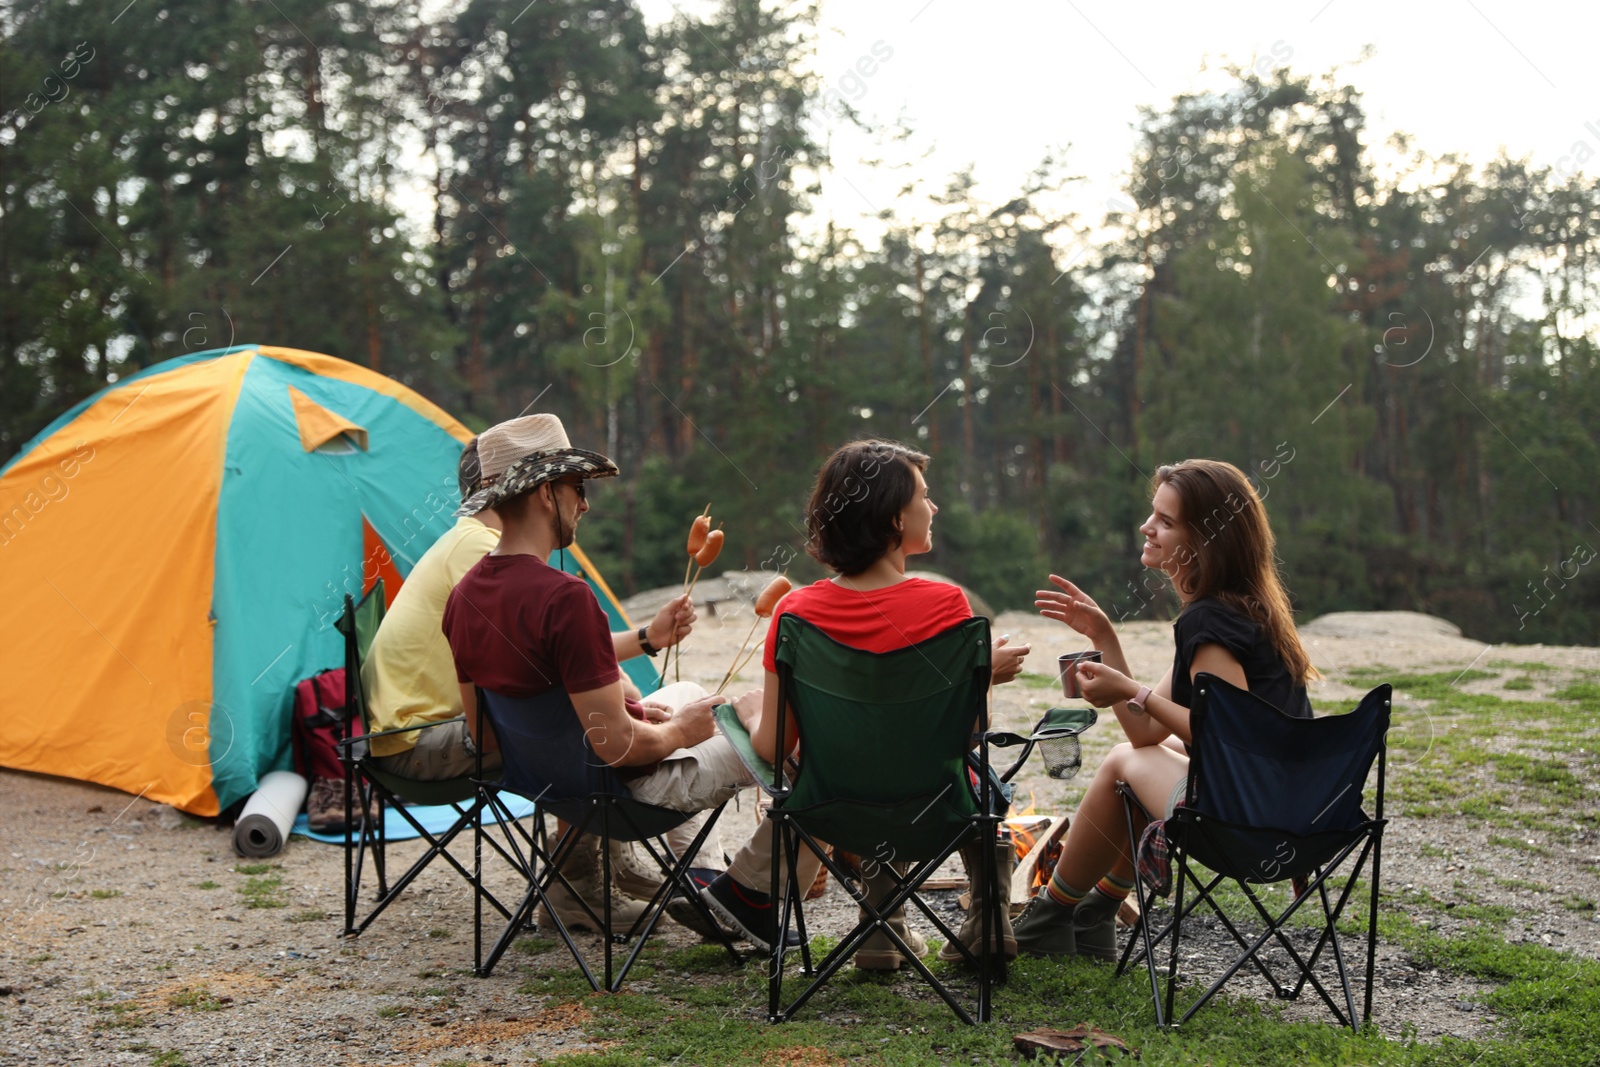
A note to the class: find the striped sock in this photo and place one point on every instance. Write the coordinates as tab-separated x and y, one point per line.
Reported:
1064	894
1113	887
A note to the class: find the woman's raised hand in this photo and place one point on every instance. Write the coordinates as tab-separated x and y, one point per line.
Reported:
1071	605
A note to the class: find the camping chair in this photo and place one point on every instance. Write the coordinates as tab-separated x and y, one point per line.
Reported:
546	758
368	786
885	775
1270	799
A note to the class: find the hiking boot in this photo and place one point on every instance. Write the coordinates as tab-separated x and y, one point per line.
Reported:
879	951
632	873
1046	927
749	911
325	806
583	870
686	914
1094	926
1002	940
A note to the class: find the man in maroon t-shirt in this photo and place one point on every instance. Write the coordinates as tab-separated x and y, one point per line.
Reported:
519	627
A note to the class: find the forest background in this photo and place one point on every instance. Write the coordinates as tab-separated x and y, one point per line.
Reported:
619	228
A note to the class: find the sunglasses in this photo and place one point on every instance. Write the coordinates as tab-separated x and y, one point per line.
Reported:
576	487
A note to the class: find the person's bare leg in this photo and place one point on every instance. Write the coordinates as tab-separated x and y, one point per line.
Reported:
1097	840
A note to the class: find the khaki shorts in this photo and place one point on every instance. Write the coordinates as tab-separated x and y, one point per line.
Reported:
693	779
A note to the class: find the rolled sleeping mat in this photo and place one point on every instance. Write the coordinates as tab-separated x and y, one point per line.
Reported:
263	825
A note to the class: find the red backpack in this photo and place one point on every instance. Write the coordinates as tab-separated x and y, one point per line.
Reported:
319	723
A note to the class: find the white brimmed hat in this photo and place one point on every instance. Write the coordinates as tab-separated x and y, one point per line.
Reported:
524	453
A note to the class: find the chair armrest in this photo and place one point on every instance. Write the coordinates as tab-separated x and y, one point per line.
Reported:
739	737
346	742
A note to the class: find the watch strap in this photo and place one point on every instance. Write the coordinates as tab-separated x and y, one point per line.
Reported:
644	642
1136	702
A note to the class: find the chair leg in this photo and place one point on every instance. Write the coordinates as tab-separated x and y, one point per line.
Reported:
350	889
477	890
775	950
1338	953
609	936
1177	931
1372	922
1145	901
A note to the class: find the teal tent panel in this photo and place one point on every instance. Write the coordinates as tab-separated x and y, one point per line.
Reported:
289	546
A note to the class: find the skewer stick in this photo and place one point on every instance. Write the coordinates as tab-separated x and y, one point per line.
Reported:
733	668
746	661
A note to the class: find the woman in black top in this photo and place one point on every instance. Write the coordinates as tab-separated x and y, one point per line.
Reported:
1208	533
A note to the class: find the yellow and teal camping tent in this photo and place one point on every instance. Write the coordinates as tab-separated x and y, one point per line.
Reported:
174	551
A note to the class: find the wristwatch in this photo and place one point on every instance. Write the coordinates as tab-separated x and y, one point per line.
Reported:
1136	702
644	642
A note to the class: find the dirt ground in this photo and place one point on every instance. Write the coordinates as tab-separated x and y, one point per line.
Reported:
130	934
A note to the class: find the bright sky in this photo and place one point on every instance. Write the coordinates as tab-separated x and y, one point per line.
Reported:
998	84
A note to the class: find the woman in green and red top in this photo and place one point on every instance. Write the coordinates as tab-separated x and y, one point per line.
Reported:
1208	533
869	512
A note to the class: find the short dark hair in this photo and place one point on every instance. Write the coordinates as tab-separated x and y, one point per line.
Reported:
860	491
469	472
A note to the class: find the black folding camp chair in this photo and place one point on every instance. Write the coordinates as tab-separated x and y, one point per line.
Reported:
369	788
884	774
1271	798
539	738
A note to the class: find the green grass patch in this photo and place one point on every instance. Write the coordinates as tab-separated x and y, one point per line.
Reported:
120	1015
535	946
1520	883
105	894
1518	683
309	915
391	1011
1514	665
263	891
1518	843
1585	692
170	1058
208	885
196	998
439	933
1545	774
254	868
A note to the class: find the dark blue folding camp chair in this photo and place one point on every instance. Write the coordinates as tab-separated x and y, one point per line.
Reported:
547	758
1271	798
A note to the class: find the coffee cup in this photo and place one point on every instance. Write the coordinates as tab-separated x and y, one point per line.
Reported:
1068	663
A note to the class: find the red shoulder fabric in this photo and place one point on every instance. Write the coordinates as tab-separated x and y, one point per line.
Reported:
880	620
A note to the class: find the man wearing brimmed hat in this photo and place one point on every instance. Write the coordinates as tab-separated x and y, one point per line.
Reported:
410	676
519	627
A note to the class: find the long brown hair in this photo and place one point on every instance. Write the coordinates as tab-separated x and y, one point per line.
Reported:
1232	550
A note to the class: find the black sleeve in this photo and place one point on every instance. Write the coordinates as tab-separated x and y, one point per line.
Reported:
1209	623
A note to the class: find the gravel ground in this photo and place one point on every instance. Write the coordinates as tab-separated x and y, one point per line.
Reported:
130	933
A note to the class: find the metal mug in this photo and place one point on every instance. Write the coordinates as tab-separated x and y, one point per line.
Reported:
1068	664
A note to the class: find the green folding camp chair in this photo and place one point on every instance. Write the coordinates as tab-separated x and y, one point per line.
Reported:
883	773
368	787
